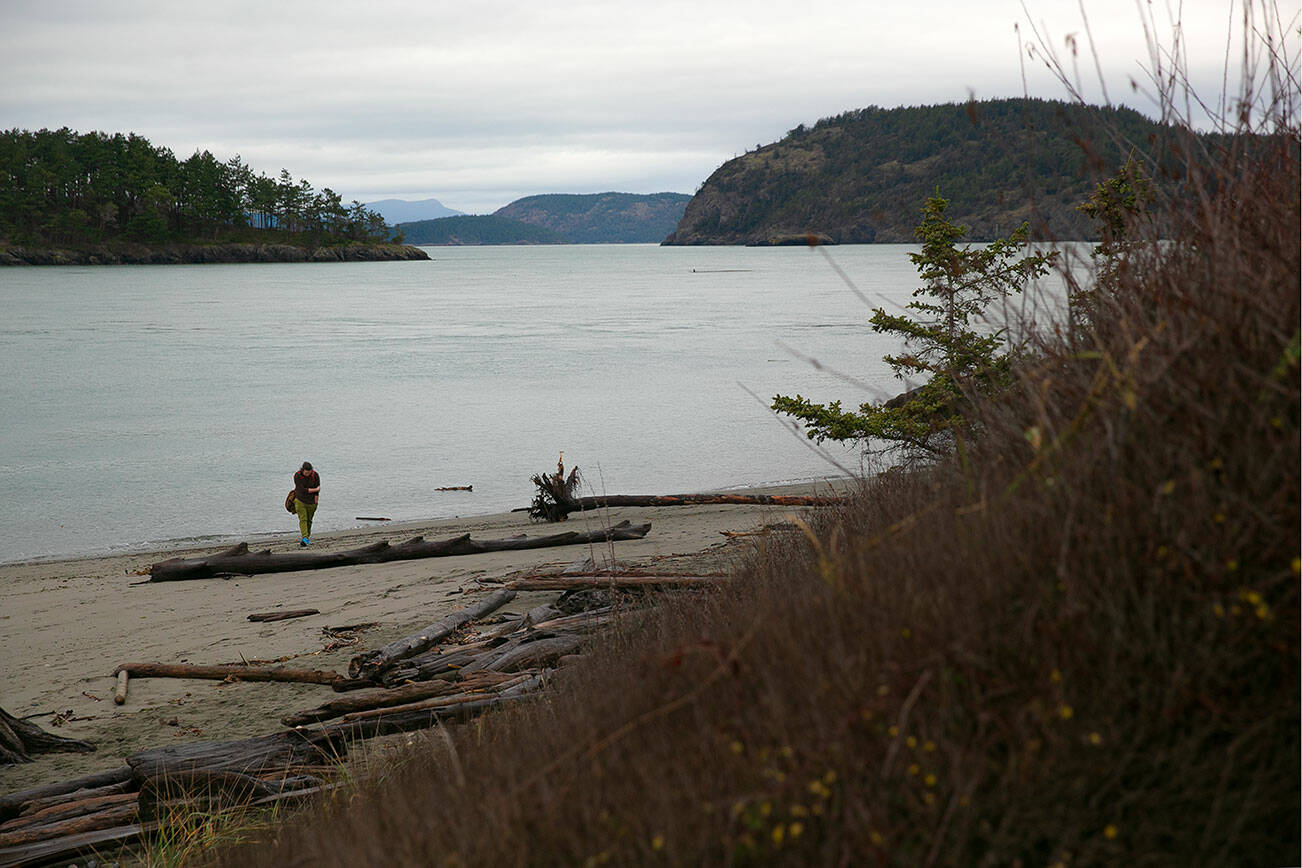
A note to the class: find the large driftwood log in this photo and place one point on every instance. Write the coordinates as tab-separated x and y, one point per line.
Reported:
71	845
20	739
238	560
414	720
372	663
253	756
210	791
223	672
106	819
601	583
389	698
560	509
66	811
13	803
531	655
35	806
442	704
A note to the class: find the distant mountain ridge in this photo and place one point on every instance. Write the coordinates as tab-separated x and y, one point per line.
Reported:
601	218
395	211
559	218
475	229
863	176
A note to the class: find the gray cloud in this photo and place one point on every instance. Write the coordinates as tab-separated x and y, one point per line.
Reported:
479	103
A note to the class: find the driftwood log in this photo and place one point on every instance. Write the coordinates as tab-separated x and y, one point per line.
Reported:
233	671
559	509
20	739
265	754
600	583
35	806
410	721
283	616
47	850
528	655
106	819
13	803
389	698
441	704
239	560
66	810
372	663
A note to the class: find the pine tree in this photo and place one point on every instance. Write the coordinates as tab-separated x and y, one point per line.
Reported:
946	340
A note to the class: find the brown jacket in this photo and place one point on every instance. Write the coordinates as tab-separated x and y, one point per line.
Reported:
303	480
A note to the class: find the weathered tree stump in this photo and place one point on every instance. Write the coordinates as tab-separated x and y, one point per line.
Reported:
20	739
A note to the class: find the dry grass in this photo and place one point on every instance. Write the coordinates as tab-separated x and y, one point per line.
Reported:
1074	642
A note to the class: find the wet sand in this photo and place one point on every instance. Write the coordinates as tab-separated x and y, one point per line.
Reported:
66	625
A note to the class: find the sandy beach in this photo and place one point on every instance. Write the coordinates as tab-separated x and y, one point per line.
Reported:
66	625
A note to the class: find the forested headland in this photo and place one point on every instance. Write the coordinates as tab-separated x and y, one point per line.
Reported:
863	175
112	197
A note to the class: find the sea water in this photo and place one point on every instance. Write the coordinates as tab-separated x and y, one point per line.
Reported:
143	405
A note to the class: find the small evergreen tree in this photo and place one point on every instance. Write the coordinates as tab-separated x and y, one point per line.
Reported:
1120	207
946	340
1117	204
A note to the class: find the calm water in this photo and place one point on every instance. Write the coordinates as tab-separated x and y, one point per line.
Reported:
157	403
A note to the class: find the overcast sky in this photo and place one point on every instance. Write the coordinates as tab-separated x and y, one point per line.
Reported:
478	103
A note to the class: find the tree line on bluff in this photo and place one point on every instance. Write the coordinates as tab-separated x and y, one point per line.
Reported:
79	189
861	176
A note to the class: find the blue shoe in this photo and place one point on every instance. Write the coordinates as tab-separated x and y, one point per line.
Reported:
302	543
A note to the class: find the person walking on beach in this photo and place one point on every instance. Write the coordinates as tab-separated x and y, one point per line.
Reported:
307	485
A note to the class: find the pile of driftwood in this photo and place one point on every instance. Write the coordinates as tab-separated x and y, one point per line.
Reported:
444	672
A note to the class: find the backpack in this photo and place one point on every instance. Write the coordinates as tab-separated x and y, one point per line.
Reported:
289	502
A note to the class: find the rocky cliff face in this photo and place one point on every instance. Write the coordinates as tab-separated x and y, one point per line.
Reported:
770	197
863	176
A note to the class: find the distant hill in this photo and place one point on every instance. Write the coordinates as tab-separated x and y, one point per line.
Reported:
863	176
396	211
476	229
601	218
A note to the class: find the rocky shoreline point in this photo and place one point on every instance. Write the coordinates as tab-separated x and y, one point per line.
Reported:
195	254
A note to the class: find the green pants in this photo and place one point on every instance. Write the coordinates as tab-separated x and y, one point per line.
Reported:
305	512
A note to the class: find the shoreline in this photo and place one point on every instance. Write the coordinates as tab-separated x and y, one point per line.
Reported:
65	625
191	253
218	541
